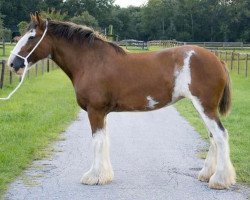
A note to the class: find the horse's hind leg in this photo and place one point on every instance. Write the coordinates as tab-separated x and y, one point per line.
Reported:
210	162
101	171
224	175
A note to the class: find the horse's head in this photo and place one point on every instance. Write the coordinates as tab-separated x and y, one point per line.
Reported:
28	42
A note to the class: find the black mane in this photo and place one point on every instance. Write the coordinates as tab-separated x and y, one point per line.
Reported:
71	32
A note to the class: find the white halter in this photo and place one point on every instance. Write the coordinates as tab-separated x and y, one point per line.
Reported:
26	68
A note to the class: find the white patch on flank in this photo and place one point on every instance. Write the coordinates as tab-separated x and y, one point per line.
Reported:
183	79
101	171
151	102
22	42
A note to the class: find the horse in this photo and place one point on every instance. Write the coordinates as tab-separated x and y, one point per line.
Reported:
106	78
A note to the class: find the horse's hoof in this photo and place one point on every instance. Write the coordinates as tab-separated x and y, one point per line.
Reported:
213	184
204	175
221	181
203	178
94	178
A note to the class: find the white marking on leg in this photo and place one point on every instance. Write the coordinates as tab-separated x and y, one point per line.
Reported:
101	171
209	163
183	79
224	175
22	42
151	102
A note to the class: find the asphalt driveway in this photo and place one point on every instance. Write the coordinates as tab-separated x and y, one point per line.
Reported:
154	156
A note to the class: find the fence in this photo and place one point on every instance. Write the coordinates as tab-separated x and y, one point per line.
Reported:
165	43
2	46
209	45
217	44
130	44
235	61
8	78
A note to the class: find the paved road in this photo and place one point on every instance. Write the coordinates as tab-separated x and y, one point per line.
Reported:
154	156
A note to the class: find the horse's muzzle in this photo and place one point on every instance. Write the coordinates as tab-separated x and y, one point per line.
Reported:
17	65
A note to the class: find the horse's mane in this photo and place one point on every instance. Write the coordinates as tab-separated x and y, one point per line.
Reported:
71	31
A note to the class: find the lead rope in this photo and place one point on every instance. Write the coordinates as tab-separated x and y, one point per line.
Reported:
26	68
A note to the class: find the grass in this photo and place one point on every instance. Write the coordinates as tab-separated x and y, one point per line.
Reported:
42	108
8	48
237	124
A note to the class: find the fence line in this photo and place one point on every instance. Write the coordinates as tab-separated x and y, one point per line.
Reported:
165	43
2	73
133	43
235	61
212	45
7	77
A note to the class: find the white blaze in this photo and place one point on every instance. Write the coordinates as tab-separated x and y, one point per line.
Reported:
22	42
151	102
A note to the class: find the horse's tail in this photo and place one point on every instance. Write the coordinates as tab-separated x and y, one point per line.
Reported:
225	101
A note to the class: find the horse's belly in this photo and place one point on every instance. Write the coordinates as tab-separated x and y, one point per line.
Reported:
144	101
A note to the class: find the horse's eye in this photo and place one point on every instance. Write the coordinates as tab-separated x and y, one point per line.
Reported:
31	37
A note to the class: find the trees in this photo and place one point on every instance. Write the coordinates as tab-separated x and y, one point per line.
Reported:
22	26
1	26
85	19
5	34
100	9
54	14
16	11
185	20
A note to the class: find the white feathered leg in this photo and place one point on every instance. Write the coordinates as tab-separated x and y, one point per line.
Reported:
209	164
101	171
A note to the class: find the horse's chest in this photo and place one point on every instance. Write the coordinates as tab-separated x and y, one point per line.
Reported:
91	94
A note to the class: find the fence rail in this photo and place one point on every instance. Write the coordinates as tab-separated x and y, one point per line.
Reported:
210	45
235	61
217	44
165	43
133	44
8	78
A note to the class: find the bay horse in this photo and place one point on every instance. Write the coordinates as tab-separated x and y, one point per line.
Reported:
108	79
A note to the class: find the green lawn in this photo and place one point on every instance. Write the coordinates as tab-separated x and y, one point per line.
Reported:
237	124
42	108
8	48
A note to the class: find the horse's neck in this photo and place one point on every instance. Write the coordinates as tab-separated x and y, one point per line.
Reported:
74	59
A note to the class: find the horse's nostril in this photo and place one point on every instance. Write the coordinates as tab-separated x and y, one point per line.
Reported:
11	64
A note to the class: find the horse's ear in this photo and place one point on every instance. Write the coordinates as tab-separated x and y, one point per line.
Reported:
32	17
39	20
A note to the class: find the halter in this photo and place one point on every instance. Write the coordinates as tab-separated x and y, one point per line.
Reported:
26	68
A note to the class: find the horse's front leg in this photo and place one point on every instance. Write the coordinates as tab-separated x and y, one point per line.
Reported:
101	171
